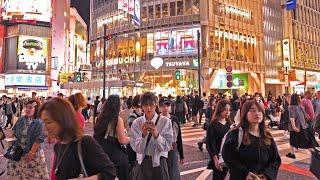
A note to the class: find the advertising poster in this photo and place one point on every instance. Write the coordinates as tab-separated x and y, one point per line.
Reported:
32	53
37	10
179	41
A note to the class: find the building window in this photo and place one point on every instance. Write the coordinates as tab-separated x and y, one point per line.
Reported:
196	7
158	11
165	12
151	13
188	7
180	8
172	8
144	13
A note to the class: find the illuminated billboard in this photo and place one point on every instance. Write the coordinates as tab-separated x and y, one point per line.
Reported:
22	10
172	42
25	80
32	53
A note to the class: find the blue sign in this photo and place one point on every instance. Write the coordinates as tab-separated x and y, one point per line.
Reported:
137	15
291	5
25	80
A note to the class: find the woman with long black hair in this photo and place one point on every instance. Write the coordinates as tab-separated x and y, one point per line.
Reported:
218	127
110	132
250	151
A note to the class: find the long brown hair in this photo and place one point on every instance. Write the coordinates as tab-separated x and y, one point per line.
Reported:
78	101
62	112
221	106
244	123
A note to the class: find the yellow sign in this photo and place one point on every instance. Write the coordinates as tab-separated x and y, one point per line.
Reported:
64	77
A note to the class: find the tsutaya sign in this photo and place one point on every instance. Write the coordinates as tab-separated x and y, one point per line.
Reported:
235	36
160	63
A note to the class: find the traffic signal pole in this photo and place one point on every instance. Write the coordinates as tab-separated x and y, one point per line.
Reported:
104	59
199	62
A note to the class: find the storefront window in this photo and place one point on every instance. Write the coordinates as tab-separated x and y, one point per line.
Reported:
172	8
158	11
144	13
196	7
180	8
165	12
151	12
188	7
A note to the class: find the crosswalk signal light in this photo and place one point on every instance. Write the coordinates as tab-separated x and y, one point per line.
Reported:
178	75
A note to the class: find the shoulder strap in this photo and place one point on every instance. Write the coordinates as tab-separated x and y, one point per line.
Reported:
79	149
149	135
240	136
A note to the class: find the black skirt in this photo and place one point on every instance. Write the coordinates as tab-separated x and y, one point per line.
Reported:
303	139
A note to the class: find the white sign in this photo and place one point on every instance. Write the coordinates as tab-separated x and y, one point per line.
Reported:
177	63
137	15
157	62
235	36
238	11
286	49
25	80
131	7
120	4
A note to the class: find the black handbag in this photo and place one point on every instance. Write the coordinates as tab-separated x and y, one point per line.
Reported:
315	162
14	153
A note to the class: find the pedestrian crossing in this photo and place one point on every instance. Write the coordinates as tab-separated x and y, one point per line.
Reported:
192	135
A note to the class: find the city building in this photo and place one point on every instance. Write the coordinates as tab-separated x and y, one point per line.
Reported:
152	45
273	35
301	45
27	45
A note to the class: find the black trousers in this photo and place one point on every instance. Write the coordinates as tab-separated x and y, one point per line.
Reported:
9	121
219	175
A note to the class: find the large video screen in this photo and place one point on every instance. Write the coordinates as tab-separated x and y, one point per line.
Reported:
32	53
176	41
25	10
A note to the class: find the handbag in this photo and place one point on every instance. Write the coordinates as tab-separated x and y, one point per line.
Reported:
315	162
14	153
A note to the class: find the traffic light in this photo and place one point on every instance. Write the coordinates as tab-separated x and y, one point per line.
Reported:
77	77
178	75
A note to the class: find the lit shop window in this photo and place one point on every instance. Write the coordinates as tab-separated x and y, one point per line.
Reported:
144	14
196	7
172	8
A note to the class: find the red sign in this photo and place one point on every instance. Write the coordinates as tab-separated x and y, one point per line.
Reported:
2	47
229	69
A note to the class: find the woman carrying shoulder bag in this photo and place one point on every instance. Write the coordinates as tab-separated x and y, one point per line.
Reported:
29	133
61	123
110	132
257	157
300	136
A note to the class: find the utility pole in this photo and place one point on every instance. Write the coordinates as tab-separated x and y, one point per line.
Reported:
199	62
104	59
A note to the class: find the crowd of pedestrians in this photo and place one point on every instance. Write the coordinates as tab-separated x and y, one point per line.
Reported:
140	137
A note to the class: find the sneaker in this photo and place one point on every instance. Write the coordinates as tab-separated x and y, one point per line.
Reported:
289	155
200	146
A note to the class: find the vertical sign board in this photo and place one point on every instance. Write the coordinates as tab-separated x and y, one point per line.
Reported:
291	5
2	48
137	15
131	7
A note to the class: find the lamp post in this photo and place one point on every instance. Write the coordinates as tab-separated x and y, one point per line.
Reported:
199	62
104	59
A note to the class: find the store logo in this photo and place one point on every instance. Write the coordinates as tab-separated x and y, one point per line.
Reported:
157	62
177	63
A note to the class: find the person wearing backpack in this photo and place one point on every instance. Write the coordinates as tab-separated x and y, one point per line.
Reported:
180	110
218	127
177	147
257	157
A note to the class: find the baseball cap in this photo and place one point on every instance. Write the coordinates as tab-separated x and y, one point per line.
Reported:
164	101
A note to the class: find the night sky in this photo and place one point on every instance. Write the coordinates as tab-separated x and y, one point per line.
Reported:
83	8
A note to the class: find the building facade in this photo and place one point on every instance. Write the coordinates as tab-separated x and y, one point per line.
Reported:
301	45
150	53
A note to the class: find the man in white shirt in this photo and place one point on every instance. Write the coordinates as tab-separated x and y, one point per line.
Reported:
151	138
